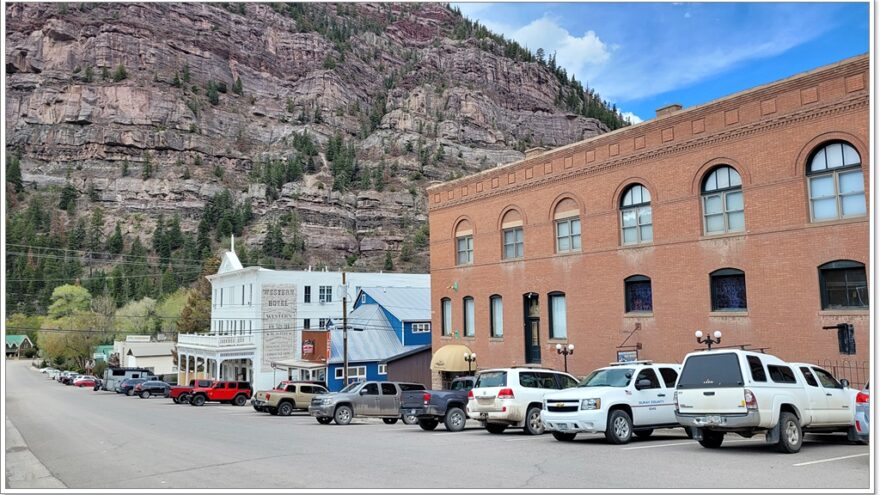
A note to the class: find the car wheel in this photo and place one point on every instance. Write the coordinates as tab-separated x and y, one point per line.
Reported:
324	420
534	425
428	424
176	399
563	437
619	428
495	428
342	415
239	400
389	421
145	395
272	410
644	433
198	400
285	408
790	435
184	399
455	419
409	419
712	439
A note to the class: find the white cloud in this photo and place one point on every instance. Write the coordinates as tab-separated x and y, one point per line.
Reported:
576	54
633	118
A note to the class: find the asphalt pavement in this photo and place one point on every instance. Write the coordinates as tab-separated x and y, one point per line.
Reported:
89	439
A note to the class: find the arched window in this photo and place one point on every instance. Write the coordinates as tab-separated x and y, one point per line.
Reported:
843	284
468	303
568	226
464	243
635	215
638	294
496	316
728	290
837	187
446	316
723	201
512	235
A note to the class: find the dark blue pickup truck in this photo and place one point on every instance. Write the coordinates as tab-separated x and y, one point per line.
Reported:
433	406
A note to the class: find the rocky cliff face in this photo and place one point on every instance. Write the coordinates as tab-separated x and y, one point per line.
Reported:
417	103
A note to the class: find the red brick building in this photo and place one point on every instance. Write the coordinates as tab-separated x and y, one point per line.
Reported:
747	214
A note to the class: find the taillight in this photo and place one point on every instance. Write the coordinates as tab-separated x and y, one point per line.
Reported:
675	399
862	398
750	399
268	396
470	394
426	398
505	393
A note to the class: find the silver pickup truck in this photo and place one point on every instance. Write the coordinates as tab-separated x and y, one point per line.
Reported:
365	399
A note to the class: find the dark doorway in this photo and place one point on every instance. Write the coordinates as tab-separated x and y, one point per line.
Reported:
532	327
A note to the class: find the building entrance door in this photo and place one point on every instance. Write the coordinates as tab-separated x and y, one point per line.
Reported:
532	327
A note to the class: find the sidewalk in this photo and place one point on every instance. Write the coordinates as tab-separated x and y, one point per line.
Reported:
23	469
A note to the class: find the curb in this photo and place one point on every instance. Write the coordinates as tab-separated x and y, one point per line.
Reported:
23	469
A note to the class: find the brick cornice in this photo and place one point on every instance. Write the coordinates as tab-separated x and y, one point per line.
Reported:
854	101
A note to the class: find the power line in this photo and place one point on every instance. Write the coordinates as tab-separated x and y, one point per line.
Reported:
146	261
101	252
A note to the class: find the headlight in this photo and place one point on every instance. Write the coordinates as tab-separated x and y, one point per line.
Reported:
588	404
326	402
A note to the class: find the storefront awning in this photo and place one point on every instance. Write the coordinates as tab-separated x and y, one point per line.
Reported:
296	363
450	358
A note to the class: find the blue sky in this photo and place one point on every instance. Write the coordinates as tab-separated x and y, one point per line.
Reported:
643	56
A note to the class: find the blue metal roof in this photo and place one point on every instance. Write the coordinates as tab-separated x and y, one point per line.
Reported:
373	339
405	303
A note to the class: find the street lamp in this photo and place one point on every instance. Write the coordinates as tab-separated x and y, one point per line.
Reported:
470	358
565	350
708	340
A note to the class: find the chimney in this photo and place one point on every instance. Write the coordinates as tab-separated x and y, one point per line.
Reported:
668	110
535	151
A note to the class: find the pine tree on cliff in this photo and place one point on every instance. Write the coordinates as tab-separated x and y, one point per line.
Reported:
115	242
389	263
173	233
13	173
236	87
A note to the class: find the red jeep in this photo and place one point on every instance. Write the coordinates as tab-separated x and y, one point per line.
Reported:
180	394
236	393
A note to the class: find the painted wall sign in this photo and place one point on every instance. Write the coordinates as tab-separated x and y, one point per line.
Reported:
279	324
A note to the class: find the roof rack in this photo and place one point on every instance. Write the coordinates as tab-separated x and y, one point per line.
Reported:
624	363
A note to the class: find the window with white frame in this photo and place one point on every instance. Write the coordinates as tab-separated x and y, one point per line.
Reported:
723	201
496	316
558	328
468	316
635	216
513	243
325	293
464	253
355	373
837	185
446	316
383	369
421	327
568	235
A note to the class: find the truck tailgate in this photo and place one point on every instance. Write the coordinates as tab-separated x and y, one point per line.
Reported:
726	400
412	398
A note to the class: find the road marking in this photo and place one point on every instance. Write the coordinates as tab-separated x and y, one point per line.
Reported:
687	442
831	459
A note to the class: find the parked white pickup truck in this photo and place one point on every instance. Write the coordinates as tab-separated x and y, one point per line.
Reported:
618	400
748	393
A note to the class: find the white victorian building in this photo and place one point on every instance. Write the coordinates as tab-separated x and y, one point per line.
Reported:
258	315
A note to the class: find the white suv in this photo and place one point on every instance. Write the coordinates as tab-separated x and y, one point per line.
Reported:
618	400
513	397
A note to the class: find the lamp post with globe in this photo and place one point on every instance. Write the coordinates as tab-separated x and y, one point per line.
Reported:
708	340
565	350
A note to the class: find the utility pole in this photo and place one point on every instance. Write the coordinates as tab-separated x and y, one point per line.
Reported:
344	332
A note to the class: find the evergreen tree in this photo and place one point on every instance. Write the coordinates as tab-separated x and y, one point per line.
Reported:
13	173
273	244
68	198
389	264
185	72
212	93
96	231
236	87
120	73
160	239
125	171
115	242
77	238
173	233
147	171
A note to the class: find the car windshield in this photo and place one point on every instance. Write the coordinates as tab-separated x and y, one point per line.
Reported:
608	377
462	385
350	388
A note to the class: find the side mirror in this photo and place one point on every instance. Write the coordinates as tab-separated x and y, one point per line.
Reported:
643	383
844	382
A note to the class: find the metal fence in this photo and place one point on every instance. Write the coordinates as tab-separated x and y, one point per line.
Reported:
857	372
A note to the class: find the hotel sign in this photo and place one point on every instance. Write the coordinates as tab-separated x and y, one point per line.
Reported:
279	324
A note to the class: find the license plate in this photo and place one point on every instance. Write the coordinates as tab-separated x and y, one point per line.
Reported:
712	420
562	426
412	412
484	415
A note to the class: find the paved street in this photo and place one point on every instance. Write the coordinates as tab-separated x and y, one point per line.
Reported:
90	439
